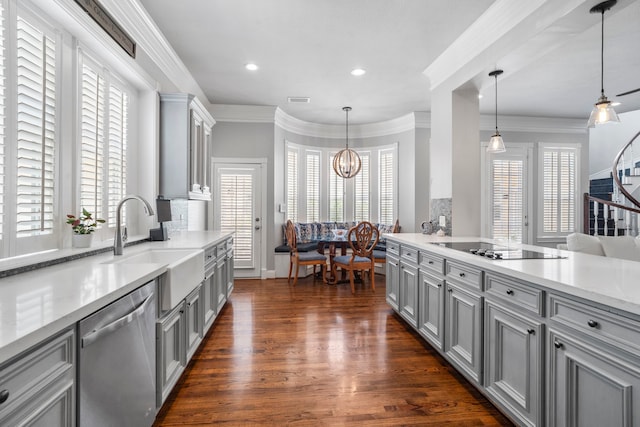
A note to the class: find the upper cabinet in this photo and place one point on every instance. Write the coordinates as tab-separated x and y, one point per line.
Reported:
185	147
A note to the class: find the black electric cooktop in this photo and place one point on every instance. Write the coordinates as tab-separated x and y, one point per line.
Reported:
497	252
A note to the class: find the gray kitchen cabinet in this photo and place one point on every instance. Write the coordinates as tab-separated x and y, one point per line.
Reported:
194	320
210	294
230	278
38	387
170	351
431	308
408	298
463	329
589	386
392	280
514	358
185	146
220	278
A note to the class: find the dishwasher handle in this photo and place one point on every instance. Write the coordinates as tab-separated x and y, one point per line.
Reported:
96	334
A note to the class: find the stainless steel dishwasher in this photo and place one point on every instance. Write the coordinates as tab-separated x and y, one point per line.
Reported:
117	367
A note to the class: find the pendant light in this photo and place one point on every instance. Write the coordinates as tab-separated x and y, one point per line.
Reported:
496	145
347	162
603	111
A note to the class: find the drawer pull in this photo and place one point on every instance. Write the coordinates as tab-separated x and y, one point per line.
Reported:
509	292
557	344
531	331
592	323
430	262
462	274
450	290
439	285
4	395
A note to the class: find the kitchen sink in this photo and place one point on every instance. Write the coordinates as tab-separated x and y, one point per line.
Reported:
185	271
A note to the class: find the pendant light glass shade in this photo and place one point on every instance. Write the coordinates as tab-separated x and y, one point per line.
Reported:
347	162
496	144
603	111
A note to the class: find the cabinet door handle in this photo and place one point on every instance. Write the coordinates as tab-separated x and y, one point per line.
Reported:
462	274
439	285
592	323
531	331
509	292
4	395
557	344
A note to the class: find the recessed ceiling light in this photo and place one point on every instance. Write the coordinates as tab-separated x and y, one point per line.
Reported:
358	72
479	96
251	66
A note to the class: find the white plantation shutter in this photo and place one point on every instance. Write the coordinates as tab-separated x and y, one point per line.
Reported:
117	161
559	190
292	185
103	142
92	105
236	213
336	194
36	105
362	189
313	186
507	180
387	186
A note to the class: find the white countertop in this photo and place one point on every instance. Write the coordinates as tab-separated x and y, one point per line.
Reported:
37	304
612	282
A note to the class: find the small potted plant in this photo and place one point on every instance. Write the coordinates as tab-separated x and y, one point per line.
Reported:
82	227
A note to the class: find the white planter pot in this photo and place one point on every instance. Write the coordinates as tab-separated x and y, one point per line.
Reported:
81	240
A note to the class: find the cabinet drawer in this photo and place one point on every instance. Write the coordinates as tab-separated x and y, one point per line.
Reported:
595	322
409	254
431	262
464	274
37	368
521	294
209	256
221	249
393	247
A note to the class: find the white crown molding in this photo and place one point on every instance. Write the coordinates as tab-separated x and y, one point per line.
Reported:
371	130
135	20
243	113
423	119
533	124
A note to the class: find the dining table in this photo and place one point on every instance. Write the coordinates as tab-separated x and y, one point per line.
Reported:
332	244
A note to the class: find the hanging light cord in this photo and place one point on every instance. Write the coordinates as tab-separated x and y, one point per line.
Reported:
347	127
602	54
496	77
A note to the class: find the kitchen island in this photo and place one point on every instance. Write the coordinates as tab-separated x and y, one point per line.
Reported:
552	340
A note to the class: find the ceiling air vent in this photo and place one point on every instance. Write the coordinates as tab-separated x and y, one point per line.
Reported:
299	100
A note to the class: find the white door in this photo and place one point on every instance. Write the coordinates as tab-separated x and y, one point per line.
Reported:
238	209
506	183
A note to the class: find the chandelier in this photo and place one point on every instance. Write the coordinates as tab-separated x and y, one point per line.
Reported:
347	162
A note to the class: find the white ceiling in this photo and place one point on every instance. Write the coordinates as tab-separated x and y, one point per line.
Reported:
308	48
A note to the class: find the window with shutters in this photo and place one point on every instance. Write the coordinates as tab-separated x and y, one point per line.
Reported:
236	212
336	195
559	171
103	140
507	189
312	180
387	186
315	193
36	135
292	184
2	123
362	189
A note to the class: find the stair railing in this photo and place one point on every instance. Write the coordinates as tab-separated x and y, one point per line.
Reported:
616	177
625	218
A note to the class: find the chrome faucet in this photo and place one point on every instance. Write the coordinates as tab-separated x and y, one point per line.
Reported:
117	242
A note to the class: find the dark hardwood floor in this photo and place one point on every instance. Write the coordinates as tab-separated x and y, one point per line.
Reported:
315	355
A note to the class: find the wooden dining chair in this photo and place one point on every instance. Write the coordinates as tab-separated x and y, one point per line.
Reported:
298	259
362	239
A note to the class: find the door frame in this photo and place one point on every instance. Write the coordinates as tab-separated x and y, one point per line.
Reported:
485	215
261	186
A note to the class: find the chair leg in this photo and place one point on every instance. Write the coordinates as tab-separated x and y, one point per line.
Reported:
295	280
353	288
373	280
324	273
290	270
